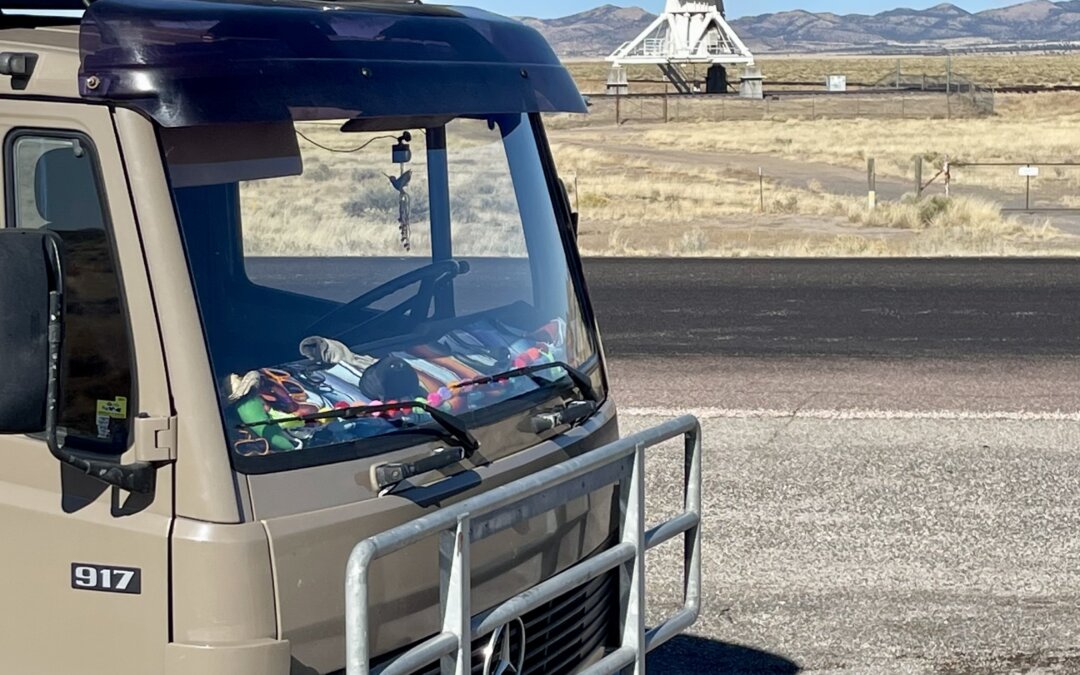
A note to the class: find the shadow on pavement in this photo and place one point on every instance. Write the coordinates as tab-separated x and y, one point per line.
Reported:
688	654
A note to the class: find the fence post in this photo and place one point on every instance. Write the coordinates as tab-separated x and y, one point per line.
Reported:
871	177
948	178
918	177
1027	191
666	117
948	84
761	187
618	108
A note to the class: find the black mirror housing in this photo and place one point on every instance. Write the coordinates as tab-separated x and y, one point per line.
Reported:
27	273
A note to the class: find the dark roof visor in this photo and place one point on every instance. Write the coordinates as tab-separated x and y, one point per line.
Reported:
196	62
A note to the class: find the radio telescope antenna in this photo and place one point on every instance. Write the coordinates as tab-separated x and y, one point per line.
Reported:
688	32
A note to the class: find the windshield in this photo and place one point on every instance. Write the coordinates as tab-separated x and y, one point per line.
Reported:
336	270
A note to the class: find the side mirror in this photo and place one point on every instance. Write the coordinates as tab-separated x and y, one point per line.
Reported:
27	274
31	338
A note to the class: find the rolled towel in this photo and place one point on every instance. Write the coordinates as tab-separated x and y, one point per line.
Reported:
239	386
332	353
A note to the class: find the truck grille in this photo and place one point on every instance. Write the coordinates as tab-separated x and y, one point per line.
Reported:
563	633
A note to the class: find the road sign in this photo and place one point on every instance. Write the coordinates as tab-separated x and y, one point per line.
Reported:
1029	172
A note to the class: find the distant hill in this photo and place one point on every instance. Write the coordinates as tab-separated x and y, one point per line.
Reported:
598	32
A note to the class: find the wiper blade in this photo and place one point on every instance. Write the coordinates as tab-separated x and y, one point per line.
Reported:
454	427
580	379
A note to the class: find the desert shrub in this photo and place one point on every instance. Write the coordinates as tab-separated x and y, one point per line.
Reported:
784	203
932	209
694	242
592	200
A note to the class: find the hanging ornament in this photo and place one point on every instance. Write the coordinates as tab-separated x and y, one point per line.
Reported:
401	184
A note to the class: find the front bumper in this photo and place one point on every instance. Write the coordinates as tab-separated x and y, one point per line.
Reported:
459	526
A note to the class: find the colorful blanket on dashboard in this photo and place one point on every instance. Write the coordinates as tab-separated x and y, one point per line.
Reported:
268	400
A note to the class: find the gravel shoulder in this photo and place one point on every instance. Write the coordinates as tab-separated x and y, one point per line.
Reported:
922	546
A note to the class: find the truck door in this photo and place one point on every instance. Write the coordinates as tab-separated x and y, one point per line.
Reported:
84	567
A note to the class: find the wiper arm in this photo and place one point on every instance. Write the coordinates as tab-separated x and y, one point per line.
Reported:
454	427
580	379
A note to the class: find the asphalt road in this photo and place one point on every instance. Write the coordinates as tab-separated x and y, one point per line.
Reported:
890	458
926	308
913	335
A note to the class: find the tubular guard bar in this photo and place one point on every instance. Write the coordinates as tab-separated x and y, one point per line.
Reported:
475	519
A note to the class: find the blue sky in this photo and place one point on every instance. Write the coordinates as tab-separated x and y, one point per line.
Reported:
554	8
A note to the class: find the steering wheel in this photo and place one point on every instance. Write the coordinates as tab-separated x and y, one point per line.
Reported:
432	277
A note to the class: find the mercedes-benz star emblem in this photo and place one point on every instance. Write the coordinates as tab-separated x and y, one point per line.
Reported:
505	652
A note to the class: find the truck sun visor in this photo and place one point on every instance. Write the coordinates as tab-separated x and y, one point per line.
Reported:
226	153
197	62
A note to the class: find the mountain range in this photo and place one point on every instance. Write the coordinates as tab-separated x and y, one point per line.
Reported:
598	32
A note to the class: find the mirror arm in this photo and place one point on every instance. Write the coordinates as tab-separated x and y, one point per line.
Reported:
139	477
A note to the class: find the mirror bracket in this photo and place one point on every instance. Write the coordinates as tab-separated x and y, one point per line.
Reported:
139	477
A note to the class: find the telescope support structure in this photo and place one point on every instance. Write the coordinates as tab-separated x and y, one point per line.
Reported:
688	32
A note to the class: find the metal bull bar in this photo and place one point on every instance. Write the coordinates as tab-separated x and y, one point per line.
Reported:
458	526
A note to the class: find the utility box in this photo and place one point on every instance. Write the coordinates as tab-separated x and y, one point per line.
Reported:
836	82
753	83
617	82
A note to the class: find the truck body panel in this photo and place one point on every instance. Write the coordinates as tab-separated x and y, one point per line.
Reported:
241	570
54	518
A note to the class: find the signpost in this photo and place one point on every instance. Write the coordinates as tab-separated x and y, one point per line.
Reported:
1028	172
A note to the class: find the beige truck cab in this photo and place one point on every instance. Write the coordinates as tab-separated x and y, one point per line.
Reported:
300	369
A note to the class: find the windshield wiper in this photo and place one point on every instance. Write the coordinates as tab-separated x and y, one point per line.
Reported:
457	430
580	379
564	415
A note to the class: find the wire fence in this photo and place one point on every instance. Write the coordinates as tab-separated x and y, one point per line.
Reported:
667	108
1024	187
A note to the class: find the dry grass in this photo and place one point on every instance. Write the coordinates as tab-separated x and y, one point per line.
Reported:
652	204
987	70
1027	128
640	204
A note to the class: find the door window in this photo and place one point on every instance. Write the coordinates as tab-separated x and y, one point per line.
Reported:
53	182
